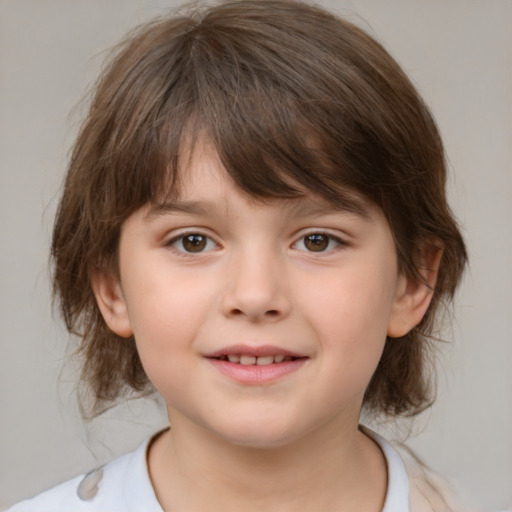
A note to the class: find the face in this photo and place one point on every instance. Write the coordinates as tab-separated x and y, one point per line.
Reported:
258	322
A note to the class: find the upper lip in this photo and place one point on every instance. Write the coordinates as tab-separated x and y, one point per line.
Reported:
256	351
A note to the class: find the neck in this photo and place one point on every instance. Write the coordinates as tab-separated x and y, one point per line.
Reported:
339	470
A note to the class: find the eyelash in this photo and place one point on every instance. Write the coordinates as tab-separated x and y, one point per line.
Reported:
210	244
173	242
327	236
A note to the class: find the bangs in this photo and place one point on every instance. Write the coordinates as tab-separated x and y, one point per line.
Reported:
263	166
276	135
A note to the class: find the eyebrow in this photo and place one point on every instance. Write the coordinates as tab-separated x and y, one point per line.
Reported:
301	207
346	204
199	208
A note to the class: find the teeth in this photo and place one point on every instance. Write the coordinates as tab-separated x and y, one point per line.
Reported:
247	360
264	360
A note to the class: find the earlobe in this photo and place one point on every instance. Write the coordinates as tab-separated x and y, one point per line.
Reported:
110	300
413	295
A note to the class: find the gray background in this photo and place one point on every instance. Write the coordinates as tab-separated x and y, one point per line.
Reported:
458	52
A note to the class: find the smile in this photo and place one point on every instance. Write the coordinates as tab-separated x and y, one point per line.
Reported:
256	365
248	360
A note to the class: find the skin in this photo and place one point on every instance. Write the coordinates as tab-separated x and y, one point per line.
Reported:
286	444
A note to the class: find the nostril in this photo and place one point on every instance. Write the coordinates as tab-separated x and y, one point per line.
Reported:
272	313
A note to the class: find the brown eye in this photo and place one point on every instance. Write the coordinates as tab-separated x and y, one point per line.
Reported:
193	243
316	242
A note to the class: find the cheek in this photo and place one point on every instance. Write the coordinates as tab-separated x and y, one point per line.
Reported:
163	305
357	304
350	319
166	312
164	343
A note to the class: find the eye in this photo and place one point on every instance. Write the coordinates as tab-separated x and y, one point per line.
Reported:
192	243
317	242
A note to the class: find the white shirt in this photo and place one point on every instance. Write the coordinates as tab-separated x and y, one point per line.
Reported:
124	485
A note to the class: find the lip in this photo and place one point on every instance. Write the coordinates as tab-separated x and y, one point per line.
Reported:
255	374
257	351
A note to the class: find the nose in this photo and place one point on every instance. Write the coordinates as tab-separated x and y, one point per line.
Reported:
256	288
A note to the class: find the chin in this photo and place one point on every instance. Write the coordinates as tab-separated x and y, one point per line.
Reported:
260	436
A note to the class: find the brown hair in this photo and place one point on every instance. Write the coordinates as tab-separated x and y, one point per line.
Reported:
292	98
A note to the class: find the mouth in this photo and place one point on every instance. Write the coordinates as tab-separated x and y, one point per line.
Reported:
250	360
256	365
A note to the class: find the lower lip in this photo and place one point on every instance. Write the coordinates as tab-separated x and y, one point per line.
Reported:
257	374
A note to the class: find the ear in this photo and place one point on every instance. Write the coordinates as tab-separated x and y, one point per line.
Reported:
110	300
413	295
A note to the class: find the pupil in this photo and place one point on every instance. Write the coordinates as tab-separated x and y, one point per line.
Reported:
194	243
317	243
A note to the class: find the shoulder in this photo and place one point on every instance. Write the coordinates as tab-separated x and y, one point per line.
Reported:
429	491
412	486
120	486
56	499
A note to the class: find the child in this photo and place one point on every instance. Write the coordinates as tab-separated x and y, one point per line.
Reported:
254	224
